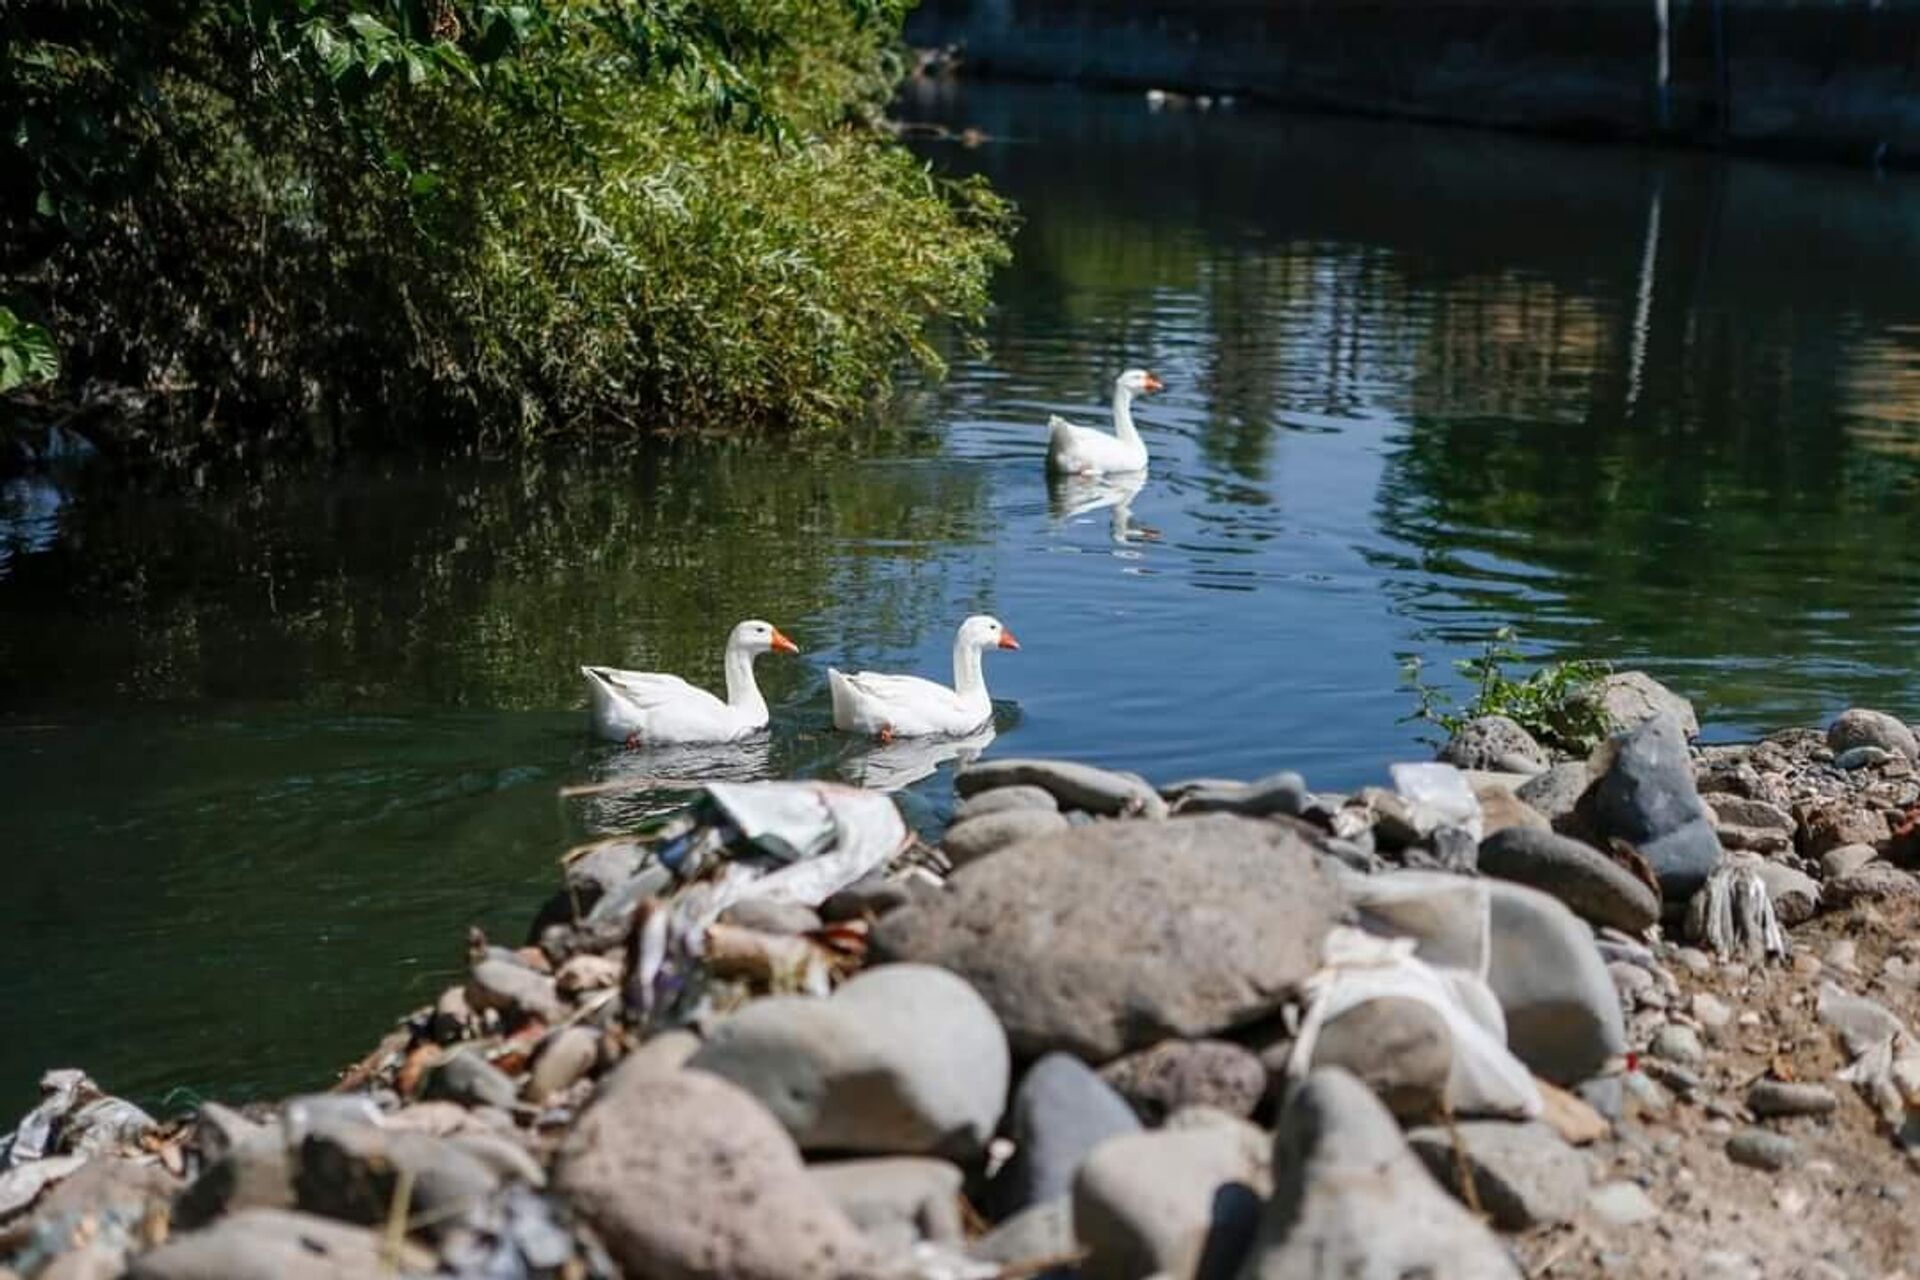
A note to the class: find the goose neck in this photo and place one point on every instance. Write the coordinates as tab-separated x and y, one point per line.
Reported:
743	691
1123	416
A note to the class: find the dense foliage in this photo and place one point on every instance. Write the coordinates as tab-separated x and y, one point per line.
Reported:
495	221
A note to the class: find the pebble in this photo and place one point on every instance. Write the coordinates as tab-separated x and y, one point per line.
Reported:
975	838
1786	1098
1860	727
1003	800
565	1058
467	1078
1555	793
1848	858
1074	786
896	1202
1494	742
1621	1204
1160	1080
1710	1011
1524	1174
1677	1042
1763	1149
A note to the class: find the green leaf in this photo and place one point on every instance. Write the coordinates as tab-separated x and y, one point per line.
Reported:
371	29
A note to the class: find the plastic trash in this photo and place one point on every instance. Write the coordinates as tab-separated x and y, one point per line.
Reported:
1359	967
795	842
1440	795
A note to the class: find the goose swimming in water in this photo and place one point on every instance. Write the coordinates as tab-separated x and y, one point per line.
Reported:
647	708
1086	451
888	707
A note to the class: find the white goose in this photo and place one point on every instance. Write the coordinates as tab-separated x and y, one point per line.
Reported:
645	708
890	707
1086	451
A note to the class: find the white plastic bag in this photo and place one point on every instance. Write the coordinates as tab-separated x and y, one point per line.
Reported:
1359	967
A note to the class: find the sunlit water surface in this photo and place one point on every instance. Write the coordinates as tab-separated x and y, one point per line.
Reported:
265	751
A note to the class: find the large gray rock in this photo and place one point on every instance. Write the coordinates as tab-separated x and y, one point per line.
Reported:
272	1244
1495	742
1629	699
1524	1175
685	1177
975	838
1592	884
903	1060
1563	1015
1173	1074
1075	786
1180	1201
1114	936
1646	797
896	1201
1060	1113
1859	727
1351	1200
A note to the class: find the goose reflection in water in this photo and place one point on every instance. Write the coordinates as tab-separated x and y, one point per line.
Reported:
630	787
904	761
1071	496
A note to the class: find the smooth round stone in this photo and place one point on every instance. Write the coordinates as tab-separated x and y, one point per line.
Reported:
1761	1149
1005	800
1787	1098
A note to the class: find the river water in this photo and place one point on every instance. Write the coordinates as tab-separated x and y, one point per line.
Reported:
266	750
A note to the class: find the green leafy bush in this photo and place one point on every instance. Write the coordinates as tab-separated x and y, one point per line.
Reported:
1554	702
327	220
26	353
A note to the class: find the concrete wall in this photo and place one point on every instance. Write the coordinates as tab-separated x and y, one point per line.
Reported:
1834	78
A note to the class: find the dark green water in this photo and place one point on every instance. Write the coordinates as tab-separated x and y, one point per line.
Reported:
264	752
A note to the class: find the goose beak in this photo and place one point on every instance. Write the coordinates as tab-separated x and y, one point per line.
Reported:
1154	384
781	644
1007	641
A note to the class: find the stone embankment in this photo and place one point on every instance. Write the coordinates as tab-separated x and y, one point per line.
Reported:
1646	1013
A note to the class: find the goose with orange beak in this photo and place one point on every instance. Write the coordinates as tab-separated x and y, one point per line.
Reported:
888	707
647	708
1083	451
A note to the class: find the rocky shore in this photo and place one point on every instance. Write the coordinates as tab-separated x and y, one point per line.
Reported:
1646	1013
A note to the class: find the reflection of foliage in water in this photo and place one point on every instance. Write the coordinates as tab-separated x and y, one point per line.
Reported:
480	586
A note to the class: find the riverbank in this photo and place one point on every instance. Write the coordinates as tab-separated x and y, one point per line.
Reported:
1572	1017
1818	82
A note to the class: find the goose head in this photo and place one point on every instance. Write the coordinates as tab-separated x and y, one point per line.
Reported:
982	631
755	636
1138	382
